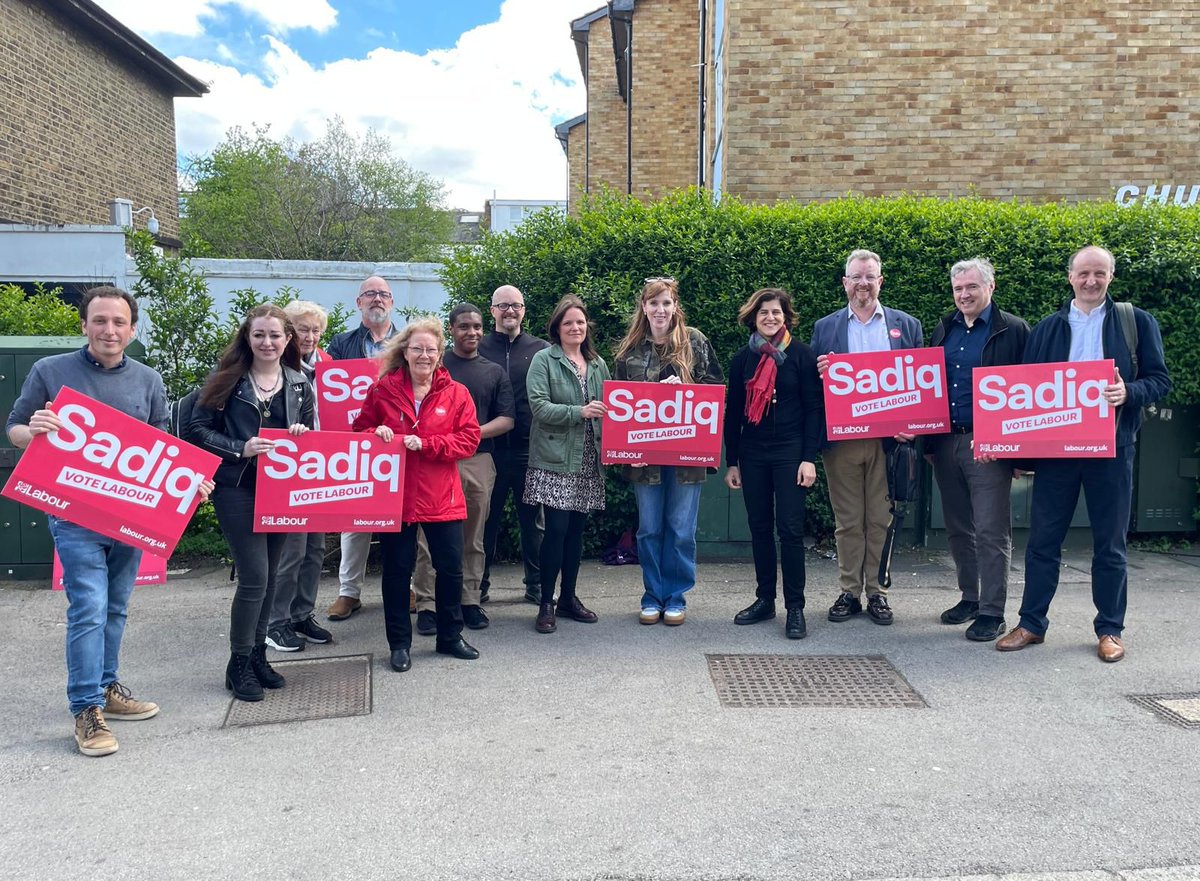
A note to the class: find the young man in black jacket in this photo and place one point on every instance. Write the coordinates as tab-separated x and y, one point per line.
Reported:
975	495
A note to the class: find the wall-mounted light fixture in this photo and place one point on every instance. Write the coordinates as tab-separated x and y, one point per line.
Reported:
121	213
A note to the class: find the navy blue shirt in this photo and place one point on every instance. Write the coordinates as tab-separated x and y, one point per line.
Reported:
964	352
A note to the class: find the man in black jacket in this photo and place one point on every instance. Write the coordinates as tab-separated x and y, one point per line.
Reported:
510	347
975	494
365	341
1088	328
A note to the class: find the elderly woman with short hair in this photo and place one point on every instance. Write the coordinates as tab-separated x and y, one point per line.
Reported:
417	403
292	621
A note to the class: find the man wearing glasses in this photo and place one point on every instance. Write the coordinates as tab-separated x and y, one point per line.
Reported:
857	468
365	341
513	349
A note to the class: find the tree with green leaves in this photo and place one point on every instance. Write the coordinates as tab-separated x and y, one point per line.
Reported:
42	313
341	197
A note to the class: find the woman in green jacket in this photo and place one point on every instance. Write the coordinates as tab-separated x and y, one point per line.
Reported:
565	385
660	347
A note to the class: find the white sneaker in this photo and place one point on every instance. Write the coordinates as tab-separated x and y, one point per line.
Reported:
650	614
674	617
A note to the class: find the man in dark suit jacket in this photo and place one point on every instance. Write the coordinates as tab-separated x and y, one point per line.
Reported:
857	469
976	493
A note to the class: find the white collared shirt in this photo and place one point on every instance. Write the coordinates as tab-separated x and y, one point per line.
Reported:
1087	333
869	337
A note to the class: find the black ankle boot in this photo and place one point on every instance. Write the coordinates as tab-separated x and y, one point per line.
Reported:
240	678
266	674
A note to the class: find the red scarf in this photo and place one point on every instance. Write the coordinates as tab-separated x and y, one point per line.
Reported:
761	387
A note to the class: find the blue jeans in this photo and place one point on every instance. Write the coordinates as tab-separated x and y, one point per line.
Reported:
666	539
98	573
1107	486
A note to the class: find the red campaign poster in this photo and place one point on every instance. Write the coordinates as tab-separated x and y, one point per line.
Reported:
662	423
882	394
341	389
329	481
152	570
1045	411
110	473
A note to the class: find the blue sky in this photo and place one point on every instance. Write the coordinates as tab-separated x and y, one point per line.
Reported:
466	90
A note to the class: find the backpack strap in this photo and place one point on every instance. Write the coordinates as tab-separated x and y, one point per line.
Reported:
1129	330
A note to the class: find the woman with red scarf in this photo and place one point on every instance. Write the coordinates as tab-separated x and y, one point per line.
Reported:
773	424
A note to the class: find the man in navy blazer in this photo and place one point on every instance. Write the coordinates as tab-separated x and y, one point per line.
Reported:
1087	328
857	468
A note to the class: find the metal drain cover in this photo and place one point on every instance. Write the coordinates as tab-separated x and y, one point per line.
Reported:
320	688
1181	709
841	681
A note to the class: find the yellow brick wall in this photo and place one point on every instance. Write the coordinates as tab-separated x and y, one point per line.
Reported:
77	127
1026	98
666	45
605	114
576	164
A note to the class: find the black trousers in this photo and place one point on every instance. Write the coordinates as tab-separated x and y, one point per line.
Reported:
511	466
562	549
256	556
399	551
775	503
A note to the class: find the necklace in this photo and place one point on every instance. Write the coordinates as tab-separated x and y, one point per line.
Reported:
269	390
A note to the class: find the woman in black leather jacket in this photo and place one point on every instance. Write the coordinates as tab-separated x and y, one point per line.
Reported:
257	385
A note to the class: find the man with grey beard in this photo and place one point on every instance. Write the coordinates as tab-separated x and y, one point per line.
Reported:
365	341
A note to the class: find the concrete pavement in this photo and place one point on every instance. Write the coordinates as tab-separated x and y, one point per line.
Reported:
601	751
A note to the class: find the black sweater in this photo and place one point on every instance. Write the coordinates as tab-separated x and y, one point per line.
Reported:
792	427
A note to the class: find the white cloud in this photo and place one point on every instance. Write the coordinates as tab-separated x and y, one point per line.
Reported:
184	17
480	115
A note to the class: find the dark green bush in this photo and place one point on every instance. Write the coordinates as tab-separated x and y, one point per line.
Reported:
722	252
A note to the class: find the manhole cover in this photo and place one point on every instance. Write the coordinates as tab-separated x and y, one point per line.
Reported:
1182	709
320	688
854	681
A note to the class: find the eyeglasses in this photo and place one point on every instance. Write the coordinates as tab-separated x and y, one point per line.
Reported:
508	307
417	351
670	279
375	295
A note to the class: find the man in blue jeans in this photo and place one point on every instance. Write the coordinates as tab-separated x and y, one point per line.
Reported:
98	572
1088	328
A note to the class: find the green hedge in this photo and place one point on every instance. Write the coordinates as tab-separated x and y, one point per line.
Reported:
722	252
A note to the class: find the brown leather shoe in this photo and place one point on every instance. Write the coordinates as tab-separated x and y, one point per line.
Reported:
1018	639
342	608
545	619
1111	648
576	611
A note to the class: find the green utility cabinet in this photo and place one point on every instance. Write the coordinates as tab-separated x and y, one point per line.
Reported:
26	549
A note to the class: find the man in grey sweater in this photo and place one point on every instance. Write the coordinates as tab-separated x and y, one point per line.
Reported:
98	571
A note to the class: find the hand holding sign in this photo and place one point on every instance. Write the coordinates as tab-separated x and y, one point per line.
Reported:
1116	393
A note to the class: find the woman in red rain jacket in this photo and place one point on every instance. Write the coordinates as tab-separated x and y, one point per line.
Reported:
416	403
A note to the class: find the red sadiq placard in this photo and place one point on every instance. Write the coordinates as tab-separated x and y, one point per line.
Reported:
882	394
152	570
1045	411
329	481
112	474
662	423
341	389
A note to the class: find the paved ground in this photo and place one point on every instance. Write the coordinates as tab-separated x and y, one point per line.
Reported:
601	752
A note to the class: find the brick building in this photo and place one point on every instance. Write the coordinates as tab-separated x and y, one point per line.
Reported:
86	115
1043	100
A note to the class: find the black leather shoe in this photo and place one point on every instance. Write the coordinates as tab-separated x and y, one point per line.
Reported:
844	607
475	618
401	662
533	595
759	610
426	623
879	610
961	613
545	620
795	627
986	628
458	649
